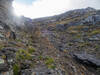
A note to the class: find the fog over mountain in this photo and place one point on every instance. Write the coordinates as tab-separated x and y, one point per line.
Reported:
43	8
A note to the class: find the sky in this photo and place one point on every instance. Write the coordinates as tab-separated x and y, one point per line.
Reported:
43	8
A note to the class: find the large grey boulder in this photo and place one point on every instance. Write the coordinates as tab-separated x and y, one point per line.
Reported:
87	59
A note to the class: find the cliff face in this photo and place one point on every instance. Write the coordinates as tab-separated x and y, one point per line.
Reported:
6	11
6	3
7	15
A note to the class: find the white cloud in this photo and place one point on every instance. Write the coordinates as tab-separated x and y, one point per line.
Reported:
42	8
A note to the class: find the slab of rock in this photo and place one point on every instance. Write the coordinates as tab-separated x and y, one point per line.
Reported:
9	52
4	68
88	60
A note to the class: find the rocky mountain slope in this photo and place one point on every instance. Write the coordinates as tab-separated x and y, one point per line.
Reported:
66	44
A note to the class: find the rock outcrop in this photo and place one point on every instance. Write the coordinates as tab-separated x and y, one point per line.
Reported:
88	60
6	11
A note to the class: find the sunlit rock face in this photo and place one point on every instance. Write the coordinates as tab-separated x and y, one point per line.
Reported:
7	15
5	10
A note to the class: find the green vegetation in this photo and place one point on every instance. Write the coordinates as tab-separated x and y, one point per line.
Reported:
97	47
50	62
1	47
70	44
18	40
78	36
23	55
79	27
31	49
16	69
94	32
40	57
3	57
52	66
30	43
84	44
31	36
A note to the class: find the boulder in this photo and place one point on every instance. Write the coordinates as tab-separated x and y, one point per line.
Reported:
87	59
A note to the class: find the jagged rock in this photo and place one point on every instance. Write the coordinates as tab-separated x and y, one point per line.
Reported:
94	19
89	9
9	52
87	59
